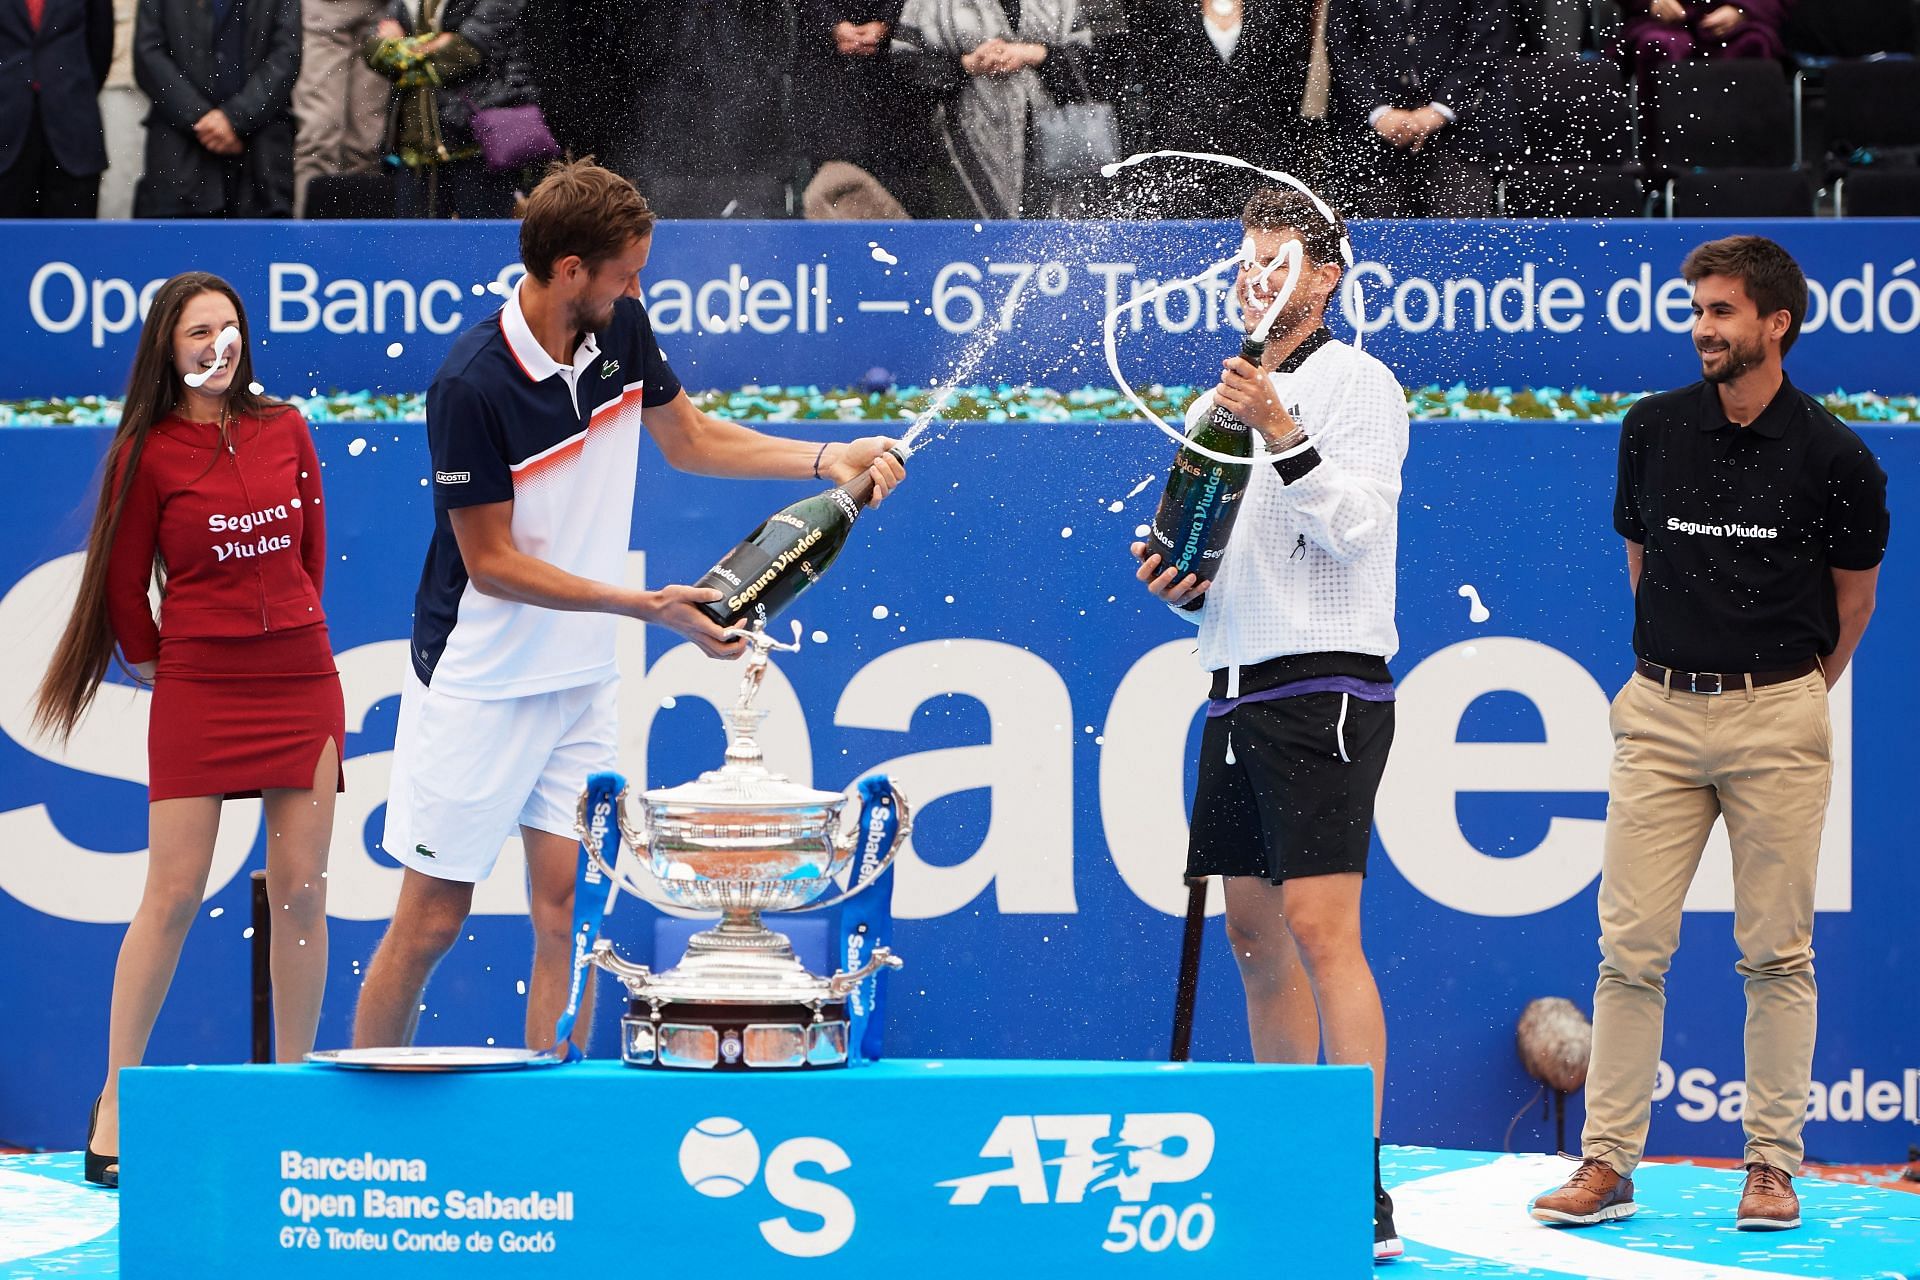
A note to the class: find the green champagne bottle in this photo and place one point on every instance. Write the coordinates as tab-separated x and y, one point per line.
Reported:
1197	509
786	554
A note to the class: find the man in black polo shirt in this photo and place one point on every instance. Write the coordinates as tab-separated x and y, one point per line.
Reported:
1755	524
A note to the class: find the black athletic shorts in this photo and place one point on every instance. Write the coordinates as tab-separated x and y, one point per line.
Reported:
1287	786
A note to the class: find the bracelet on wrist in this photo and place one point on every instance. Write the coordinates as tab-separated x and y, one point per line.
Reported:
816	461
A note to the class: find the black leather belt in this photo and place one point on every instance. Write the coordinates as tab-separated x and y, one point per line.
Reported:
1721	681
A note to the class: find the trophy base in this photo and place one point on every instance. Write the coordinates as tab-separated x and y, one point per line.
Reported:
689	1035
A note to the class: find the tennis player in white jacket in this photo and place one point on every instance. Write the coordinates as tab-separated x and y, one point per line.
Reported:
1297	628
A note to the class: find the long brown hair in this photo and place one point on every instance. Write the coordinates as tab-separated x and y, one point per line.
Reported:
86	647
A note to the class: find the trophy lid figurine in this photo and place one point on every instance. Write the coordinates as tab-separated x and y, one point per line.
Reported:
739	840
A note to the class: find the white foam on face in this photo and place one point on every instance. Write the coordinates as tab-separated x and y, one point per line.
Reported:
394	349
221	342
1475	610
358	447
1290	253
881	255
879	612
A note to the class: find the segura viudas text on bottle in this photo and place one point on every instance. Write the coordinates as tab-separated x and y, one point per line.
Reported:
787	553
1197	508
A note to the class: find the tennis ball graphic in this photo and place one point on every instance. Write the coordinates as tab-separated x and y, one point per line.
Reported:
719	1157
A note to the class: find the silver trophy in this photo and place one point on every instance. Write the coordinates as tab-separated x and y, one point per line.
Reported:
739	840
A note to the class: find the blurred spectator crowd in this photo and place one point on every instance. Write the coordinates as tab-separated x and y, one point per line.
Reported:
973	109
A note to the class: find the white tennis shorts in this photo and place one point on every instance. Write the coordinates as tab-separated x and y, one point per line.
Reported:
468	771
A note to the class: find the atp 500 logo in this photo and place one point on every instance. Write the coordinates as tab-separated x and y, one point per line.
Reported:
1152	1150
720	1157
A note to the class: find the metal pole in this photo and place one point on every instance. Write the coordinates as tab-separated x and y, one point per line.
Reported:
1187	987
262	977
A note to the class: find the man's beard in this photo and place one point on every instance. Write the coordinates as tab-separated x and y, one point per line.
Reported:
584	320
1736	361
1291	317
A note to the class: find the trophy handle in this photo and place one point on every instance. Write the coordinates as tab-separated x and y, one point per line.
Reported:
899	838
634	831
883	958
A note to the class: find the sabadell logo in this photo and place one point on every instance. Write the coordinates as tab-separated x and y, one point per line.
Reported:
720	1158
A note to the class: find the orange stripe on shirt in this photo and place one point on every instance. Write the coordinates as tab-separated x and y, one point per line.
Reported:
569	451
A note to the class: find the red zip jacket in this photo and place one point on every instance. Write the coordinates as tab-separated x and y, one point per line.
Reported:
239	530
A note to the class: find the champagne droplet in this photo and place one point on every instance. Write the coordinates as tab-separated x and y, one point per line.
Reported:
880	611
394	349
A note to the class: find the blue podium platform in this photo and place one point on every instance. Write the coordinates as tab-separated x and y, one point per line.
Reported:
1462	1214
953	1167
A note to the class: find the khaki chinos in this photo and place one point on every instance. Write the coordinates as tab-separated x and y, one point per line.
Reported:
339	103
1763	759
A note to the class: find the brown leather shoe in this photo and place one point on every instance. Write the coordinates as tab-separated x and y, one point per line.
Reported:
1767	1202
1595	1193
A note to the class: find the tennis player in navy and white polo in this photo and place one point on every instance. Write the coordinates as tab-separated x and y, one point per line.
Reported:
534	426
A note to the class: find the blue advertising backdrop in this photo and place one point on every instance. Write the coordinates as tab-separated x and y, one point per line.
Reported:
983	642
365	306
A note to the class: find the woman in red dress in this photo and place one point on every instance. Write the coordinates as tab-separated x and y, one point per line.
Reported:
212	491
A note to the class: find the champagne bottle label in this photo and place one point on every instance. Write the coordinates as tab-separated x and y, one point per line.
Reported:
1194	520
783	557
786	554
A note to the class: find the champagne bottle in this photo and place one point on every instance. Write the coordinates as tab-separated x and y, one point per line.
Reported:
786	554
1202	497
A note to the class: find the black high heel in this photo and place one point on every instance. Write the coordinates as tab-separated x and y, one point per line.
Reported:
102	1170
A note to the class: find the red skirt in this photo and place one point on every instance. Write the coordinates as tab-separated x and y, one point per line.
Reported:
231	717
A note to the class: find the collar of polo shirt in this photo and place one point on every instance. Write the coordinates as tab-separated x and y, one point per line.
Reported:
1772	422
532	357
